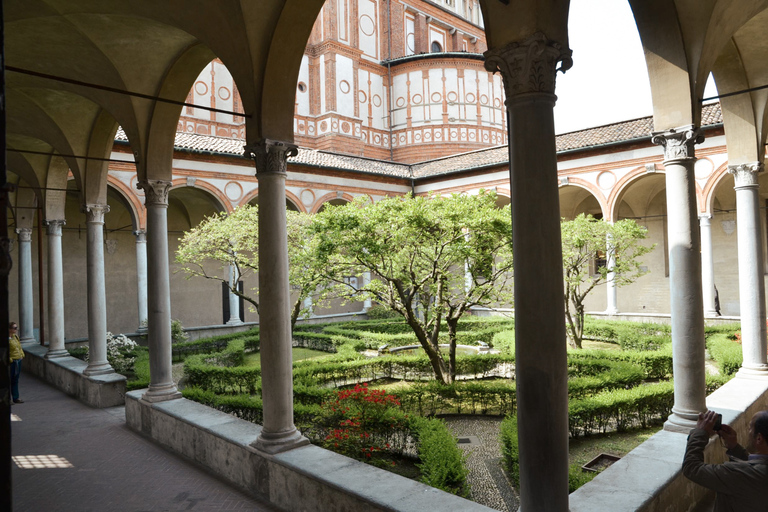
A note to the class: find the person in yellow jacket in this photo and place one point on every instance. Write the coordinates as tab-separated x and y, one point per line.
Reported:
17	354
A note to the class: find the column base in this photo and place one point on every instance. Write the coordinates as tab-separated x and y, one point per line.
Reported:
53	354
143	329
98	369
611	311
161	393
272	443
681	422
711	313
753	372
235	322
28	340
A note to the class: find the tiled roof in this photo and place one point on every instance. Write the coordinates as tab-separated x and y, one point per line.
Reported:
582	139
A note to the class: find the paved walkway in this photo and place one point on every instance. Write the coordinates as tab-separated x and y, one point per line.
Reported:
87	460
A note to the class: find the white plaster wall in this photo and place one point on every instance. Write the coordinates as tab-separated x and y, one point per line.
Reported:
302	98
345	95
368	28
410	37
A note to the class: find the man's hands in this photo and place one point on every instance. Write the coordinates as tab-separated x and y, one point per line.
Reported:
707	422
726	433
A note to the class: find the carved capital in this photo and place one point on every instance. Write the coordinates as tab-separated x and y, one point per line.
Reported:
53	227
95	212
745	175
25	234
271	156
141	236
679	142
155	192
529	65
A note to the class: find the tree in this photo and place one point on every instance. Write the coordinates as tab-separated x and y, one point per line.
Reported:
422	249
232	240
583	240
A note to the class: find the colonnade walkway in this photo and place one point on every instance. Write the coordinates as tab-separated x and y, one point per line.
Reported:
81	459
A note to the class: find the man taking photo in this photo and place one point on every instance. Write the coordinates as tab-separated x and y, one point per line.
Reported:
742	483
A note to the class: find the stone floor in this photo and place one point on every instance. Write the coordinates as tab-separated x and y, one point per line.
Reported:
81	459
489	485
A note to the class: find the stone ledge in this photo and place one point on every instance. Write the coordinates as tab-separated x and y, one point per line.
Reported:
66	374
650	478
308	478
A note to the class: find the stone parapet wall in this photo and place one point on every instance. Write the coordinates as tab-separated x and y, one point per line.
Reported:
650	478
308	478
66	374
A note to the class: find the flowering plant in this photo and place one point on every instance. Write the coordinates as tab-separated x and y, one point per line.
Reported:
363	422
119	352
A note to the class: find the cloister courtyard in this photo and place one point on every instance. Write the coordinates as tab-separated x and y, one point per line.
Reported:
128	126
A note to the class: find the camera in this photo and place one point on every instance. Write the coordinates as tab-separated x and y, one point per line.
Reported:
718	422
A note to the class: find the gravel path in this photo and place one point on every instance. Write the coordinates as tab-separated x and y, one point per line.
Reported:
488	483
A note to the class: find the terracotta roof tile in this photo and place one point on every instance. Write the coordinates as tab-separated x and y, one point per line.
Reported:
582	139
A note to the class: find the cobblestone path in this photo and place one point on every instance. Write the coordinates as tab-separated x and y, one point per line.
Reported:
489	485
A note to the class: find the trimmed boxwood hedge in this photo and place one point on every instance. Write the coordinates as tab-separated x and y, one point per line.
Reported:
726	352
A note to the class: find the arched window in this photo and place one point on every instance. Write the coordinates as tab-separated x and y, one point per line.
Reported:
436	48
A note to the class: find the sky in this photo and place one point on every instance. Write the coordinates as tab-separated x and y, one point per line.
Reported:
608	81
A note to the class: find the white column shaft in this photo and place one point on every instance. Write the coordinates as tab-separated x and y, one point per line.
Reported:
528	70
707	266
612	306
141	277
97	296
55	291
26	299
686	303
279	432
234	300
161	386
751	284
366	282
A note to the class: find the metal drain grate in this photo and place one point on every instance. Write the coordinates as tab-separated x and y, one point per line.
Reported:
468	441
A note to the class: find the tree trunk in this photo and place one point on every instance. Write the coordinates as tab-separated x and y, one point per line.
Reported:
432	349
452	327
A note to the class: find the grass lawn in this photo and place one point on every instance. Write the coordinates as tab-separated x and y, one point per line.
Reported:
254	358
584	449
599	345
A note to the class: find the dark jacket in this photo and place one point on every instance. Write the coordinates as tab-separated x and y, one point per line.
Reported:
741	485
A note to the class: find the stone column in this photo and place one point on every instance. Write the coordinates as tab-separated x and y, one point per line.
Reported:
97	295
528	69
366	282
141	277
161	386
612	307
55	291
26	300
707	266
234	300
751	285
279	432
686	302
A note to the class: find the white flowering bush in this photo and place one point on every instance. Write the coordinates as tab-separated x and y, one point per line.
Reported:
119	352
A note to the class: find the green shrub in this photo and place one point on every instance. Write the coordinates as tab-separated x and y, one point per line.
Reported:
727	353
140	371
578	477
380	312
510	451
504	342
441	460
79	352
177	332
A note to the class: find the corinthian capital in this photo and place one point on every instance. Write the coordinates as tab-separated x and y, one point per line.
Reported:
25	234
678	142
271	156
155	192
95	212
53	226
745	175
529	65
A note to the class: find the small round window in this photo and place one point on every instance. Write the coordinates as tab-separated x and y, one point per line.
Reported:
302	87
436	48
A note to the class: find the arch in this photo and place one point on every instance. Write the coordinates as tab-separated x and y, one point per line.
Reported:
708	193
593	191
290	197
617	194
221	200
319	203
131	201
